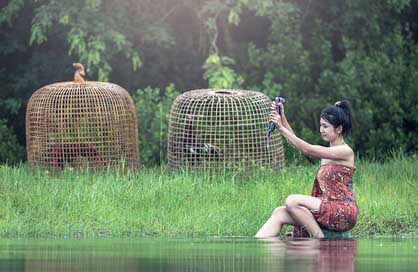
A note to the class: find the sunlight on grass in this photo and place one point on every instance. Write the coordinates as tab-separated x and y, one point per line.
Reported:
155	202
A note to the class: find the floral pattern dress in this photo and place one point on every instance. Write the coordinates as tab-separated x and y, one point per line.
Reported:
338	211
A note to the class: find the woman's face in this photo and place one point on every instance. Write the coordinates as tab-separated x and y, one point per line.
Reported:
328	131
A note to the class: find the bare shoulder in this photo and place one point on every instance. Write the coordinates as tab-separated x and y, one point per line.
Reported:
344	155
350	151
344	148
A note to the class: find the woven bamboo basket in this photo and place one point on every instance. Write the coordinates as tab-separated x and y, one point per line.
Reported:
81	124
222	130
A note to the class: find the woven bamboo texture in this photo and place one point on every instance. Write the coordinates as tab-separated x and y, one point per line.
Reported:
222	130
81	124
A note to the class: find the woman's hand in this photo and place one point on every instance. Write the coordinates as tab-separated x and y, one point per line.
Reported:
273	108
276	119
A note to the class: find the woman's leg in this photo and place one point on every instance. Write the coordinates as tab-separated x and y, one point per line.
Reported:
299	207
274	224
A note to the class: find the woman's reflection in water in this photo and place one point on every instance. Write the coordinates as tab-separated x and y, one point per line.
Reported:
314	254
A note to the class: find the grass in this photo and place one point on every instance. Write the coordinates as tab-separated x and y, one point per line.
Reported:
155	202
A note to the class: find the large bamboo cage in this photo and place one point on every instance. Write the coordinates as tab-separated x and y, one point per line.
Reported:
222	130
81	124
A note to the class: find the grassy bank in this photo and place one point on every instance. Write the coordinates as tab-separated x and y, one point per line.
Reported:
154	202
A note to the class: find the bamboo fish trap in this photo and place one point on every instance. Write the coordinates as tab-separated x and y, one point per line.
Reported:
81	124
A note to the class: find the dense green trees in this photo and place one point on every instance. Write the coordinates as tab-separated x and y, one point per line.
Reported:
312	52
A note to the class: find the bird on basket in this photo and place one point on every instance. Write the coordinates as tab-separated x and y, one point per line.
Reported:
79	72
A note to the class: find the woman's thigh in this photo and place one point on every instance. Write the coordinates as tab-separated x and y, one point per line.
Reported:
311	203
280	213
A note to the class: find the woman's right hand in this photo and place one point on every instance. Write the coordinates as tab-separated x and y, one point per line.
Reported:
273	108
276	119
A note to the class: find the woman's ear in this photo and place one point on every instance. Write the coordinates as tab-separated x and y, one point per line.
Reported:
339	129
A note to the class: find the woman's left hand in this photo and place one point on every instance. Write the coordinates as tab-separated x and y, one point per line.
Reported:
276	119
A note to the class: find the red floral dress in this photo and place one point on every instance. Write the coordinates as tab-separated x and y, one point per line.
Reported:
338	210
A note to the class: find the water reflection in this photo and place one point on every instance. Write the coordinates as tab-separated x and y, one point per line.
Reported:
212	254
150	255
314	255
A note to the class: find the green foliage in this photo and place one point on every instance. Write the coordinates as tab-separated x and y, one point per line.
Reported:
11	105
136	61
382	88
311	52
317	55
219	75
96	32
10	11
42	21
10	150
153	113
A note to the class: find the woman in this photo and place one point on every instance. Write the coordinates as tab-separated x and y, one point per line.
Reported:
332	205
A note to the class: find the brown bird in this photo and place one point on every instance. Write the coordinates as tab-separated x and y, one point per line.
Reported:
79	72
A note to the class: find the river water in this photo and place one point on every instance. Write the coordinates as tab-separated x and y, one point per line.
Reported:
209	254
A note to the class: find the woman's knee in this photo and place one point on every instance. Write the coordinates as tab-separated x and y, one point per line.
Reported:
291	202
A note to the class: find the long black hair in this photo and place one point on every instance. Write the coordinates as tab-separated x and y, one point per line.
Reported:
339	115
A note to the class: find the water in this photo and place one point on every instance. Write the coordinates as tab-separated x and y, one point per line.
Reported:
211	254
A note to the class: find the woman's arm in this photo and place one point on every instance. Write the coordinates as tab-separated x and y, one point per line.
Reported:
286	124
340	152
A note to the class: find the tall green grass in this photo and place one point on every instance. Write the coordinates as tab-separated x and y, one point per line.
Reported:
155	202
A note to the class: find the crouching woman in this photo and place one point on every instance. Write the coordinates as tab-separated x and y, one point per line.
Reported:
332	205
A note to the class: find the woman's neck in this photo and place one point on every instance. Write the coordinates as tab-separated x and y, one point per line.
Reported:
338	141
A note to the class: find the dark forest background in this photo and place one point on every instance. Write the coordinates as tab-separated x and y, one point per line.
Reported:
313	52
